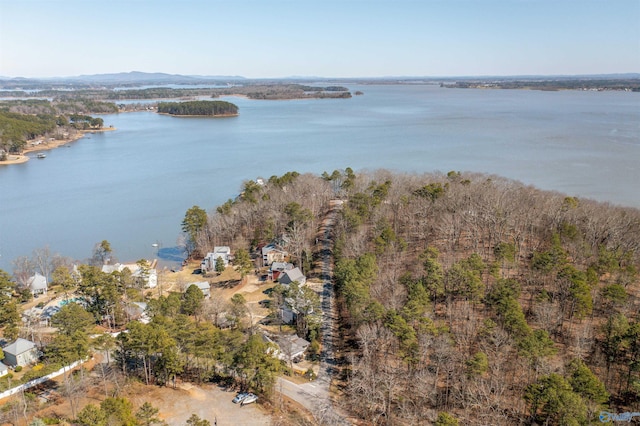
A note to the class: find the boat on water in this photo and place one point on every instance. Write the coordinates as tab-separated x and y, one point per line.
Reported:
41	155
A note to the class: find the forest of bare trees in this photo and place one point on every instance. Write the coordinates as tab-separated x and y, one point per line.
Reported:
464	296
487	299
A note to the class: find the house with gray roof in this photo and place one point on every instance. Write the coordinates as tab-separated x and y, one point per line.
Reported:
204	287
21	352
37	284
290	347
291	275
278	268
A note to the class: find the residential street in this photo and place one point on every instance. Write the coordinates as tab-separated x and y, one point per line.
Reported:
315	396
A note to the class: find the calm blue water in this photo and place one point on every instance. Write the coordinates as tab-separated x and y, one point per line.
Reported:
132	186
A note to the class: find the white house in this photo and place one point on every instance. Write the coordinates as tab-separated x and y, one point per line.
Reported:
4	370
37	284
150	278
209	261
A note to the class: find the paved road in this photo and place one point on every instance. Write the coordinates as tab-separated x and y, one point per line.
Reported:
315	395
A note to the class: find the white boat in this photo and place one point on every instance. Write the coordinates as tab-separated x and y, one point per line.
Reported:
41	155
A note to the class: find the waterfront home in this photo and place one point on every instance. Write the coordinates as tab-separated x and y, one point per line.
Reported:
209	261
20	353
148	276
37	284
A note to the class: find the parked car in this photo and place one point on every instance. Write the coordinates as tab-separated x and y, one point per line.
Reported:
249	399
240	397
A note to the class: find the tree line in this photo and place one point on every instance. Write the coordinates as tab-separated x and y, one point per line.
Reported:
252	90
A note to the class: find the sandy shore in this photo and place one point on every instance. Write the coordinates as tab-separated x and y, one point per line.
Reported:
48	145
14	159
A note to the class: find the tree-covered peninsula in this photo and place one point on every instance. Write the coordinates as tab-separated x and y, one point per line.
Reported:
25	122
460	298
204	108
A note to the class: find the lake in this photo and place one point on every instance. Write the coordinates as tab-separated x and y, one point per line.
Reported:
133	186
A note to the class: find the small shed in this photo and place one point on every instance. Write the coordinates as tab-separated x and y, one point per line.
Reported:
4	370
37	284
21	352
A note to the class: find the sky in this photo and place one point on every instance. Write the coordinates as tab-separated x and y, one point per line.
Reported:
329	38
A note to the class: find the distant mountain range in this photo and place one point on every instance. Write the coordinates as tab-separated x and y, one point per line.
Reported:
138	78
133	78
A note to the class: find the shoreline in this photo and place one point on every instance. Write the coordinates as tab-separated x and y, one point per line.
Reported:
49	145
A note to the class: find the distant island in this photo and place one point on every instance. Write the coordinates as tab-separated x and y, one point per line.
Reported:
199	108
550	84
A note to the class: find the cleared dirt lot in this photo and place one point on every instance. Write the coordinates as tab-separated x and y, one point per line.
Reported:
175	406
208	402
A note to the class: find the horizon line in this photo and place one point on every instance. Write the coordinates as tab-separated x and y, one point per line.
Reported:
299	77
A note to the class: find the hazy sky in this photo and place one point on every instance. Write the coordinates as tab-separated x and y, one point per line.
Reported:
345	38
